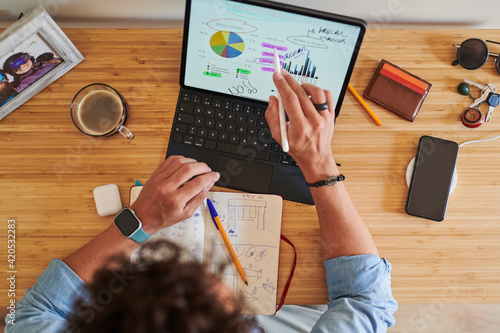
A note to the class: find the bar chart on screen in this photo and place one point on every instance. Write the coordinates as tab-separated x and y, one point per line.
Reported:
305	69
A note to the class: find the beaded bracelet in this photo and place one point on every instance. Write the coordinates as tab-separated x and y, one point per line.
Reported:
327	182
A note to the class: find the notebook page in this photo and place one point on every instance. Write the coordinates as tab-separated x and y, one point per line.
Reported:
253	225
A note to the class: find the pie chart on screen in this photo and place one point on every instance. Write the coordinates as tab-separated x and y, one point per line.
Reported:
227	44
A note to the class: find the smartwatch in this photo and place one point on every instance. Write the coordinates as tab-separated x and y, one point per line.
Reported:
130	226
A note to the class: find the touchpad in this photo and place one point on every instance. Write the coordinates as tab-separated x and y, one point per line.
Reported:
244	175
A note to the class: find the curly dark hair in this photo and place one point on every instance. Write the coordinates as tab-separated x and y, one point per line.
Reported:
156	295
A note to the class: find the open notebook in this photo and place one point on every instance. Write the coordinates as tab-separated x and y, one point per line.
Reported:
253	225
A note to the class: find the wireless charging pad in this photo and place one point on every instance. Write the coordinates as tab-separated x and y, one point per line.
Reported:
409	173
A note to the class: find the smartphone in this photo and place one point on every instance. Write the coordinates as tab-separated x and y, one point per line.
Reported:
431	180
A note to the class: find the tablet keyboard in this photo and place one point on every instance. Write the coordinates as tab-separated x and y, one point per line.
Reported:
233	127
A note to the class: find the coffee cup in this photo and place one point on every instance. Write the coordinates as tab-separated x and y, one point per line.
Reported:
99	110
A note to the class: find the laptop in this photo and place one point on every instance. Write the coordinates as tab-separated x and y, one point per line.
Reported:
226	79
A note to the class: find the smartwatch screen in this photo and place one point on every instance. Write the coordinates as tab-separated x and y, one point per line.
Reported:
126	222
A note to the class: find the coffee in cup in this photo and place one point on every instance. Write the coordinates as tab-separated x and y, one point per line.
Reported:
99	110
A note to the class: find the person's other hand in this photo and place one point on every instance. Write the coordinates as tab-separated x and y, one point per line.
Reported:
310	131
172	194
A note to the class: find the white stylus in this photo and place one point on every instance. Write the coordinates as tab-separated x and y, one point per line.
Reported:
281	108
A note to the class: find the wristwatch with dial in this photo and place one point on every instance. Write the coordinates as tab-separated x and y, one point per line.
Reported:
130	226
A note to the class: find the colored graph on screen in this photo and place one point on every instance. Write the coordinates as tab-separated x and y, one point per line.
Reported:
227	44
306	69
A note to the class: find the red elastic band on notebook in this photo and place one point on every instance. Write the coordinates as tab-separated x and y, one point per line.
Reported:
289	281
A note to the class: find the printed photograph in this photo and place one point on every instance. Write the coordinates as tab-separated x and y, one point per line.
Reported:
34	52
27	63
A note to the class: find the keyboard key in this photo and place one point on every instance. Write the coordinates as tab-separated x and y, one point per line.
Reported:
237	107
192	130
210	123
185	97
227	105
276	147
261	123
209	144
220	125
177	138
213	134
199	110
202	132
219	114
187	108
241	118
199	142
217	103
181	128
263	134
252	121
254	142
230	127
199	121
230	116
265	145
207	101
209	112
259	112
252	131
248	109
185	118
285	159
241	130
244	141
234	139
196	99
275	158
224	136
188	140
239	150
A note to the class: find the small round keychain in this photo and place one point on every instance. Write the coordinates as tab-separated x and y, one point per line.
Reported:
472	118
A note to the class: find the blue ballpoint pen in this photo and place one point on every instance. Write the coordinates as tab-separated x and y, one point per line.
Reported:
218	225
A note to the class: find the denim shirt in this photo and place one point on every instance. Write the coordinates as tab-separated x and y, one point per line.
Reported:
359	290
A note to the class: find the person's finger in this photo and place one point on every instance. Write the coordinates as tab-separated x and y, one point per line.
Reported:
272	118
188	171
192	189
317	95
195	202
331	103
308	108
288	96
170	165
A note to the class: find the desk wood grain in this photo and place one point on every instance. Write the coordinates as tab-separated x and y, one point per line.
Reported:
49	169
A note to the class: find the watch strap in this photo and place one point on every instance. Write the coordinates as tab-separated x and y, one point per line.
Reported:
140	236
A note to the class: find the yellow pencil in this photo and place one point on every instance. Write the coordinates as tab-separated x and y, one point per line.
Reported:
218	224
364	105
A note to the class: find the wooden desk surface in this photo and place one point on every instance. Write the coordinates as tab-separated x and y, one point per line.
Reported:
49	169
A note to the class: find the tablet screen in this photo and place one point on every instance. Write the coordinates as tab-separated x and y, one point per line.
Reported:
229	47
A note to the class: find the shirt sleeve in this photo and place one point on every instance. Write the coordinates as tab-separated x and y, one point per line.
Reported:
360	295
47	305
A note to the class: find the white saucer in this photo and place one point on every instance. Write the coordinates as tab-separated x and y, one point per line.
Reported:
409	173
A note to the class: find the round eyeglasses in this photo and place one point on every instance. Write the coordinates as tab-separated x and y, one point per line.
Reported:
473	54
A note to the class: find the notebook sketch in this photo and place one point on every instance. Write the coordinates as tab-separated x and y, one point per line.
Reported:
245	211
253	226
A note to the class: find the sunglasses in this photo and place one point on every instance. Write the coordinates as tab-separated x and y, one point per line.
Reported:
473	54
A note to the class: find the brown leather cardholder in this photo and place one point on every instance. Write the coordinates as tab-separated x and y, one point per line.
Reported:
397	90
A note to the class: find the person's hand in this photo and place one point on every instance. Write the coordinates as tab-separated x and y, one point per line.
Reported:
310	131
172	194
